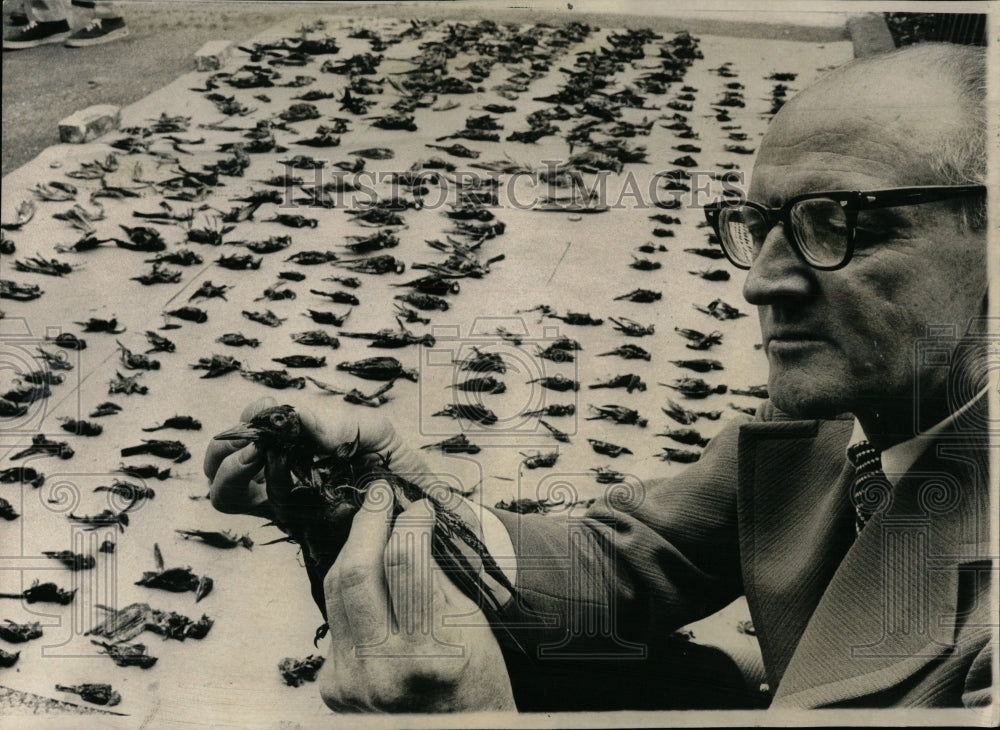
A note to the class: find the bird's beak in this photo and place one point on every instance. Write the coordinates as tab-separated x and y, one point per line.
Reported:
242	432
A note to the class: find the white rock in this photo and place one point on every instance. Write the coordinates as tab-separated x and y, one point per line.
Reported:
212	55
90	123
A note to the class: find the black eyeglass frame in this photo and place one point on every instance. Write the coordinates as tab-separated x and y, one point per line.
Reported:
852	201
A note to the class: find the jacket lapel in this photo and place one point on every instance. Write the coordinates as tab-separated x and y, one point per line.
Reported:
794	526
891	606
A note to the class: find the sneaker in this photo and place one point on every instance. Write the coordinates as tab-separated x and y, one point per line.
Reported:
37	34
97	31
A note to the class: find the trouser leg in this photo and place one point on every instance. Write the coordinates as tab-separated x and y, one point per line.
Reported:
14	7
47	11
92	9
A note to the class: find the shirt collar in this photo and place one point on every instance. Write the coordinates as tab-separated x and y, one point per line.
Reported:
897	459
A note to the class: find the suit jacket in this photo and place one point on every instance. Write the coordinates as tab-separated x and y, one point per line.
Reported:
899	616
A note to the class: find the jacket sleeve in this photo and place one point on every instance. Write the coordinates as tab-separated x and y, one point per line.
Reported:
646	559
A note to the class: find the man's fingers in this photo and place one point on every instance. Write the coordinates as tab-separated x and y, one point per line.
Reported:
235	487
218	451
261	404
376	437
359	574
374	432
425	664
409	565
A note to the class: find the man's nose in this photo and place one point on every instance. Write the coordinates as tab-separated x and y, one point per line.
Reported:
778	272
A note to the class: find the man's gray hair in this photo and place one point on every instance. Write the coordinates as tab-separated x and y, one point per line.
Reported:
961	159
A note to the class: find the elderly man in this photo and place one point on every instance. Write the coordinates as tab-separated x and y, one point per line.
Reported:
863	233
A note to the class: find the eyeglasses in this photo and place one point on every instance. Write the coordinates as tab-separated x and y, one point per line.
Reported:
821	227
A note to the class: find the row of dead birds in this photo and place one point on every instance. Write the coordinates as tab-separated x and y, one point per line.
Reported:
689	387
144	239
561	350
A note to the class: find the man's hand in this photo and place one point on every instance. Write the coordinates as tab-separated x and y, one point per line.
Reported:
235	468
403	637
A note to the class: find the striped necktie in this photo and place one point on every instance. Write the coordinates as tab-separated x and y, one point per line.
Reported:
870	490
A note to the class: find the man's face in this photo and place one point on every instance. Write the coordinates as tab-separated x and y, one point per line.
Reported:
844	341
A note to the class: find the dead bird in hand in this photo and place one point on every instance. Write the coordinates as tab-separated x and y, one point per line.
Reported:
315	496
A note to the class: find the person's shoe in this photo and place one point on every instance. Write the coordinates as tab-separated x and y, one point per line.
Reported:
37	34
97	31
17	20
